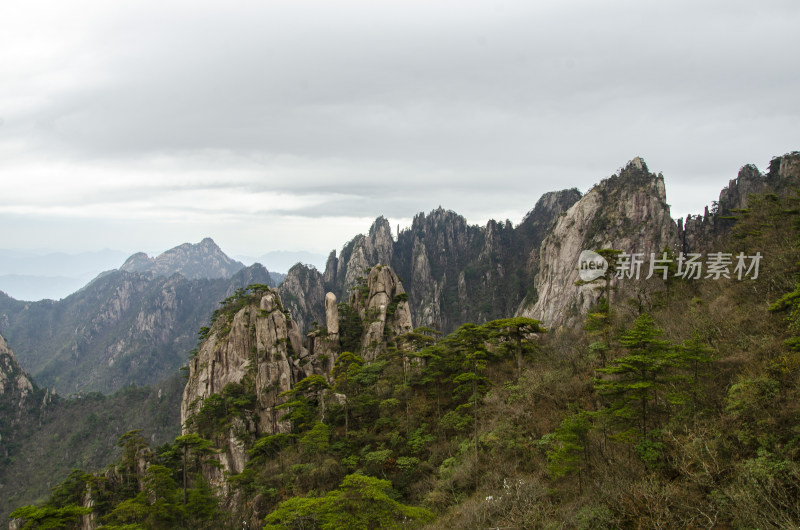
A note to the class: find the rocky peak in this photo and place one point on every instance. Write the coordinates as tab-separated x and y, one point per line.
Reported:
139	262
786	167
254	350
252	343
382	304
303	292
204	260
255	273
701	231
634	176
546	212
360	253
329	277
439	219
627	212
380	242
734	195
454	272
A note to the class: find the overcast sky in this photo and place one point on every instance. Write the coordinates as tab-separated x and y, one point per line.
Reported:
291	125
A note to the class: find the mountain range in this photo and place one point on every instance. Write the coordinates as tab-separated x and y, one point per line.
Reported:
136	325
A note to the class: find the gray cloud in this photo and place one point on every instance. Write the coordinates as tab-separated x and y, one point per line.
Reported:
352	109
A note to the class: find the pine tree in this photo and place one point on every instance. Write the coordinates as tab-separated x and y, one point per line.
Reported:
638	377
566	446
515	333
469	341
192	443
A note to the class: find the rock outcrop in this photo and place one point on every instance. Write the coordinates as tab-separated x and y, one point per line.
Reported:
19	398
698	232
204	260
331	314
254	347
359	254
303	294
382	305
257	346
454	272
627	212
15	386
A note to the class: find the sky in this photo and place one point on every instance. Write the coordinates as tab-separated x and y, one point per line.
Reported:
291	125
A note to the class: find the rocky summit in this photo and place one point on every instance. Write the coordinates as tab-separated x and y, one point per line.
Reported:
204	260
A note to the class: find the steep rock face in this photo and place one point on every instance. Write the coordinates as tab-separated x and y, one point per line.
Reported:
454	272
699	232
253	343
331	266
545	213
303	293
199	261
19	398
255	346
539	221
784	170
357	255
383	308
431	256
259	347
15	386
122	328
627	212
331	314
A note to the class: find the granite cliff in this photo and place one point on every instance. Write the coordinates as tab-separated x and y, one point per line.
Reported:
703	231
454	272
626	212
255	352
303	294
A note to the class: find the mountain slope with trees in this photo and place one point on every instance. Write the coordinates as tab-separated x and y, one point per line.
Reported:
122	328
678	409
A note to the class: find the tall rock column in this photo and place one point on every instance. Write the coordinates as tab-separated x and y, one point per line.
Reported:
331	314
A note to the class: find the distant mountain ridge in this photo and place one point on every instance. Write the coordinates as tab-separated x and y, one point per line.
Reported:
204	260
133	325
283	260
